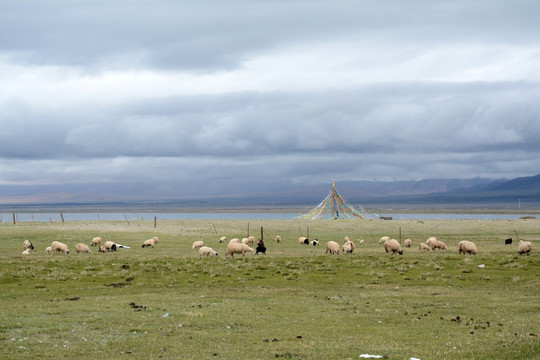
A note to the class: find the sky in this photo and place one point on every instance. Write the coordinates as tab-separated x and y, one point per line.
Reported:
257	92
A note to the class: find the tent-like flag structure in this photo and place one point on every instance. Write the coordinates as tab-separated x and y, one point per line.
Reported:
334	207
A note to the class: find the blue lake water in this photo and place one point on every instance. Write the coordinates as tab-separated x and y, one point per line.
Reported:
92	216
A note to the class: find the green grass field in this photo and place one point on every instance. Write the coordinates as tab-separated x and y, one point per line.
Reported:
294	303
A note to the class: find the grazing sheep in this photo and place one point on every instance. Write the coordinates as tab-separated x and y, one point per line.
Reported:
346	239
246	241
347	248
383	240
222	239
251	239
95	241
234	241
82	248
361	242
28	245
408	243
423	246
525	247
109	246
236	248
207	251
48	250
393	246
150	242
437	244
430	240
332	247
302	240
26	252
315	242
57	247
102	249
467	247
197	244
508	241
278	239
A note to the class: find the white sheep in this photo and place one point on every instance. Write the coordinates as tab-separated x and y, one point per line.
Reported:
346	239
236	248
48	250
251	240
222	239
26	252
102	249
437	244
525	247
109	246
28	245
302	240
278	238
82	248
393	246
207	251
234	241
423	246
430	240
467	247
383	239
347	248
332	247
95	241
361	242
150	242
408	243
246	241
197	244
57	247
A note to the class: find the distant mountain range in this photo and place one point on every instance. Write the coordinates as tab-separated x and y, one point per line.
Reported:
427	193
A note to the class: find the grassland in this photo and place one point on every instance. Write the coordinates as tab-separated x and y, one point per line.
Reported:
294	303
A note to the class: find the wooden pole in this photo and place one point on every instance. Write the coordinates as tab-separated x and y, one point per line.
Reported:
126	218
307	235
185	227
14	221
400	234
215	230
517	236
262	233
155	221
62	217
248	230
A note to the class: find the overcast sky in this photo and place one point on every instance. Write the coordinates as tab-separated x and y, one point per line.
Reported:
318	90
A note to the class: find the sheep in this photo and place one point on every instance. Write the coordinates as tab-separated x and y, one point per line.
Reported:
314	242
236	248
361	242
332	247
197	244
346	239
393	246
278	239
234	241
102	249
26	252
207	251
48	250
525	247
151	242
430	240
246	241
423	246
251	240
95	241
28	245
347	248
109	246
383	239
82	248
302	240
467	247
350	244
57	247
437	244
222	239
408	243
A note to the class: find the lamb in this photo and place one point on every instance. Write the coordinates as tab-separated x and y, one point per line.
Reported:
151	242
347	248
437	244
315	242
302	240
26	252
423	246
350	244
236	248
251	240
361	242
57	246
48	250
207	251
393	246
102	249
109	246
234	241
95	241
222	239
525	247
467	247
28	245
278	239
82	248
197	244
246	241
383	240
332	247
408	243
